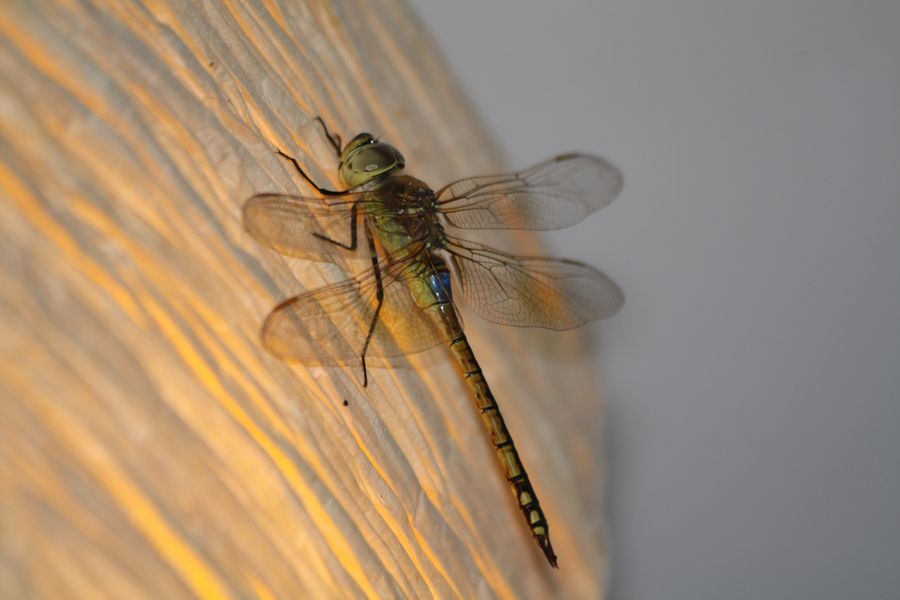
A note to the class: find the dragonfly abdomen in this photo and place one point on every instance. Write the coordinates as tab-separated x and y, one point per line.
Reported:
503	444
432	291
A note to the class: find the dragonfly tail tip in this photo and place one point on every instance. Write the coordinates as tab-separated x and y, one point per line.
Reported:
547	548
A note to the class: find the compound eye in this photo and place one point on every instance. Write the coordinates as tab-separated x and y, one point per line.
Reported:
370	160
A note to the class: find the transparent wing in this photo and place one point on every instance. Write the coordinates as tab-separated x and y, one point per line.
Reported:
289	224
329	325
551	195
532	291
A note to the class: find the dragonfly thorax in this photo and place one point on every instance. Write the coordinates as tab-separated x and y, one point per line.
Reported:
405	213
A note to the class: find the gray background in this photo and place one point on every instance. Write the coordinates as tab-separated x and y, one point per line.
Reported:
754	375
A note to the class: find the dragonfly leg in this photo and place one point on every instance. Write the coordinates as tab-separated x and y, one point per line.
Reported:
321	190
353	228
334	138
379	296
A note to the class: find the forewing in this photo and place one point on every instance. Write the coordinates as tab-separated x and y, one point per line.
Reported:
551	195
329	325
532	291
291	225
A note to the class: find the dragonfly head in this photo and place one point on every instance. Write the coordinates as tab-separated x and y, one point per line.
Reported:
364	158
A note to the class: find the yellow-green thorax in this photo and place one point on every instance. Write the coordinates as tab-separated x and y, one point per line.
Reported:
364	159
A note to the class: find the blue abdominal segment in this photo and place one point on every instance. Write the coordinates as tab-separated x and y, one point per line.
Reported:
440	285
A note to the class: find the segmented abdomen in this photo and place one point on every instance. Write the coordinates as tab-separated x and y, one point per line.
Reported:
432	290
503	443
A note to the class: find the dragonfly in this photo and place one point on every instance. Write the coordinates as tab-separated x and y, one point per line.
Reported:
405	300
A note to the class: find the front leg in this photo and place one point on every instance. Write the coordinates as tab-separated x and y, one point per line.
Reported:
334	138
321	190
